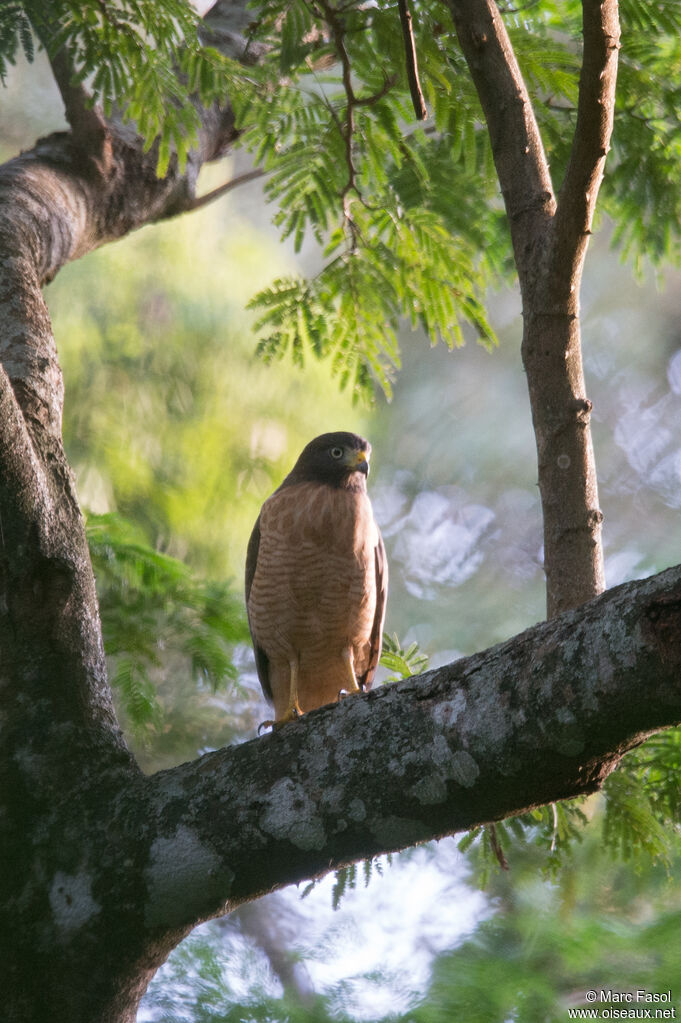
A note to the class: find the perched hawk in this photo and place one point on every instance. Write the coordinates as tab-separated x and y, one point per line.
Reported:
317	579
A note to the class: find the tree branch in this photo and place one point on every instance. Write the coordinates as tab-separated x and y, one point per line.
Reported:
418	102
591	141
549	255
90	131
517	147
217	193
544	716
49	623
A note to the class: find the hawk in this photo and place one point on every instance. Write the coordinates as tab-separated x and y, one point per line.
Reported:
317	580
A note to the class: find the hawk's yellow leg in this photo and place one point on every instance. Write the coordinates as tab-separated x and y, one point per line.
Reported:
348	662
293	710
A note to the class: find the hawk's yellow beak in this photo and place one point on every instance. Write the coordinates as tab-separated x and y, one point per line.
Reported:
360	462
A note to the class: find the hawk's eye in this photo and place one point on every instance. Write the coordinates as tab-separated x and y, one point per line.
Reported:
336	452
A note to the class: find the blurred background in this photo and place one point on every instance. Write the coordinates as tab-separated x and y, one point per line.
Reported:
177	432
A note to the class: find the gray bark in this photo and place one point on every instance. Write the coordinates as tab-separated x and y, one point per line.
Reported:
125	866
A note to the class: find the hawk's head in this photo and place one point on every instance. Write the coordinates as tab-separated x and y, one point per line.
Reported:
339	459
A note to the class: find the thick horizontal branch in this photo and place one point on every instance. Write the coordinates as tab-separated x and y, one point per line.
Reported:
544	716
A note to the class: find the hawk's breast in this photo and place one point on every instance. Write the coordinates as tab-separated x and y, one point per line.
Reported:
314	587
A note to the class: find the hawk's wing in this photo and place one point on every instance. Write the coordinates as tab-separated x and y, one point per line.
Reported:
261	662
381	569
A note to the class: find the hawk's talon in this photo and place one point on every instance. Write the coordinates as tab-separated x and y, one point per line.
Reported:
343	693
292	714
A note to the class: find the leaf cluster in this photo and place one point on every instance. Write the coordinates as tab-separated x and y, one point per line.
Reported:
142	58
346	878
642	188
400	661
15	35
408	217
643	801
641	818
346	168
157	615
550	829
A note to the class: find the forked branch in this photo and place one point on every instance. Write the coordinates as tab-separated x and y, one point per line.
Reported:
591	142
517	146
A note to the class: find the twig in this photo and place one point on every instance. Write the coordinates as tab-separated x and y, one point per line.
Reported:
369	101
496	846
217	193
412	64
333	16
555	827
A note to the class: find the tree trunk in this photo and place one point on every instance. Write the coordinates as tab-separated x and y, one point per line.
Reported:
573	557
550	237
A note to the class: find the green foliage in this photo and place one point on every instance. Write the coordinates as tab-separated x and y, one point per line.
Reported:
552	830
643	181
643	801
631	826
15	35
641	818
140	56
346	878
339	150
342	168
544	945
352	309
156	614
408	218
402	662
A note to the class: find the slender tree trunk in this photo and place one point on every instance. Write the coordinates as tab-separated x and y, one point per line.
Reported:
573	557
550	236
